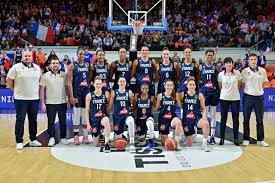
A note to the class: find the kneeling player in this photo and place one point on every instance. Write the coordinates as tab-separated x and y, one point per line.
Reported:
122	100
144	117
166	102
193	109
96	113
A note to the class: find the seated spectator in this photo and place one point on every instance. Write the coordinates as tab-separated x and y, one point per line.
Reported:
238	65
261	59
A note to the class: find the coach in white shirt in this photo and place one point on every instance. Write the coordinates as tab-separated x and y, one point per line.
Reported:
229	85
253	78
23	78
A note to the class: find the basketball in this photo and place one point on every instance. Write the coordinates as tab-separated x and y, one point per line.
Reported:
170	144
120	144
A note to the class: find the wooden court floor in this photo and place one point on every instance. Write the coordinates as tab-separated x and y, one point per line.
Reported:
37	165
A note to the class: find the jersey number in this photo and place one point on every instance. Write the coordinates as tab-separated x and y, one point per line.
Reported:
190	107
208	76
98	106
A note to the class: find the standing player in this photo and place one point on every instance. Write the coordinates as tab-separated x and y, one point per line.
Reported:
144	70
144	116
166	102
166	70
96	113
209	89
121	67
78	88
122	100
194	113
101	68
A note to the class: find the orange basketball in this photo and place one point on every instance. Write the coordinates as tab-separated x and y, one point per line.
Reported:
170	144
120	144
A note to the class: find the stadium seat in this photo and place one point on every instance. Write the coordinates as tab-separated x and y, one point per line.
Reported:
270	76
267	84
272	83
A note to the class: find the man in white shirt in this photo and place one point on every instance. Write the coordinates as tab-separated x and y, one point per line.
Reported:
253	78
23	78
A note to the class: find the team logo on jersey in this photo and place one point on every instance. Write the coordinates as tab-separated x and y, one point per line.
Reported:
123	111
84	83
168	115
98	113
146	78
209	84
190	115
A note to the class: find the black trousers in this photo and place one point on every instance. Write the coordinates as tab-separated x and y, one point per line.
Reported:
22	108
52	109
256	102
235	108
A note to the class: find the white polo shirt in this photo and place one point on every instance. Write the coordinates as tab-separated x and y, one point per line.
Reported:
26	81
55	87
230	90
254	80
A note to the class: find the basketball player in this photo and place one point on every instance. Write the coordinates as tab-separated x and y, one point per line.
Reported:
166	70
121	67
144	70
78	88
166	104
122	100
194	113
101	68
96	113
209	89
144	116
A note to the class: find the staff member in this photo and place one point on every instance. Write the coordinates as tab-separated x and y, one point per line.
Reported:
253	78
23	78
55	83
229	84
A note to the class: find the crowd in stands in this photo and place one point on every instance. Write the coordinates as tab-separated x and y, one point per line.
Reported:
199	23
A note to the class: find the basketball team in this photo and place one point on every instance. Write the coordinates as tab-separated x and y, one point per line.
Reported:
187	97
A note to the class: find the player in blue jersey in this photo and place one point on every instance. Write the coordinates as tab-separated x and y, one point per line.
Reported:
144	117
144	70
122	101
166	70
187	69
97	115
209	88
166	104
194	113
101	68
78	87
121	67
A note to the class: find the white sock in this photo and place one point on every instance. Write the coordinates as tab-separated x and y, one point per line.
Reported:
131	129
106	139
85	132
150	127
204	141
177	138
213	119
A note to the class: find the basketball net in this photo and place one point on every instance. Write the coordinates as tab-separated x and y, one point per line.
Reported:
138	26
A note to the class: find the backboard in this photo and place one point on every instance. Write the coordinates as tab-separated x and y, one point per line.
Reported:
123	12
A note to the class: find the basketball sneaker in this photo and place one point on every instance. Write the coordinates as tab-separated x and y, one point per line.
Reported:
211	140
107	148
51	142
151	145
178	148
76	140
205	147
64	141
132	148
142	142
85	140
35	143
263	144
245	143
19	146
101	141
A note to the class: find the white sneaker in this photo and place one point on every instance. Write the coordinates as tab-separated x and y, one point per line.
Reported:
263	144
178	148
64	141
35	143
19	146
132	148
205	147
245	143
51	142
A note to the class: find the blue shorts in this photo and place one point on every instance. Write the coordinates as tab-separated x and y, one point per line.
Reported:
211	98
119	123
80	94
141	126
182	88
164	125
189	128
96	126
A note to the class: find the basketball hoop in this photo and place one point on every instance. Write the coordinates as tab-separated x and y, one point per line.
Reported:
138	26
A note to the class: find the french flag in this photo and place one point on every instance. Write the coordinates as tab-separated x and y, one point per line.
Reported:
58	27
43	33
266	49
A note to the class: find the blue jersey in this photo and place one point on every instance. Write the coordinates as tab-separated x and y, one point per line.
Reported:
167	107
98	106
165	72
81	76
145	71
186	70
122	70
103	72
191	108
122	103
144	108
209	78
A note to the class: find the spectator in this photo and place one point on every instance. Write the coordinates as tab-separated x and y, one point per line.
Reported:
261	59
40	57
238	65
18	55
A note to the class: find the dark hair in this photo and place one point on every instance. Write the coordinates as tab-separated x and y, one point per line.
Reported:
105	61
145	47
165	48
228	60
54	57
173	94
121	77
187	47
144	84
121	48
209	50
252	55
